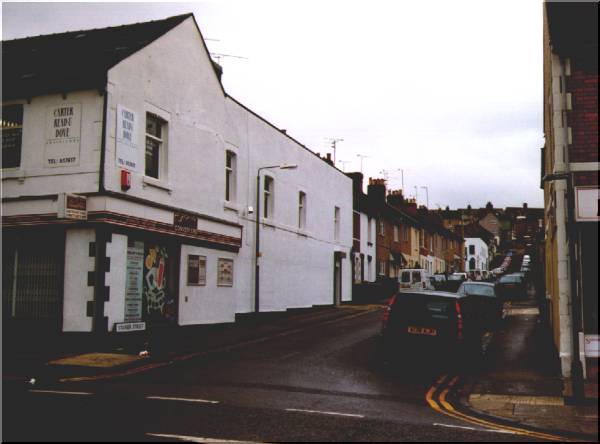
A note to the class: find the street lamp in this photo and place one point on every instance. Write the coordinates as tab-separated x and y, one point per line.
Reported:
257	252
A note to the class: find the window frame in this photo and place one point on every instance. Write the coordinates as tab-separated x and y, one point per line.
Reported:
17	126
302	200
336	223
230	176
162	141
268	197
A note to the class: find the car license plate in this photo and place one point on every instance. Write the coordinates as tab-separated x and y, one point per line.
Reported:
422	331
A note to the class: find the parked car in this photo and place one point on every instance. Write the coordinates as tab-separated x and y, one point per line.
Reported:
428	324
415	279
454	281
512	287
485	302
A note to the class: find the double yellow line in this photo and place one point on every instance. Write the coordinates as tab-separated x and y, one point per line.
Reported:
436	398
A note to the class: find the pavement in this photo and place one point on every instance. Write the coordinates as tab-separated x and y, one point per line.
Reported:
519	382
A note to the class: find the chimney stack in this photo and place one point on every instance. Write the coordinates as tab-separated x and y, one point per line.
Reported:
376	190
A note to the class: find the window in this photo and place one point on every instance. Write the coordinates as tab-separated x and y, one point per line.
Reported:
382	268
155	146
301	210
268	197
336	224
12	132
196	274
230	176
370	231
405	233
381	228
396	238
471	249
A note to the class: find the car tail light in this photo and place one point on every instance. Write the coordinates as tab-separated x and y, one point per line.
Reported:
459	323
386	312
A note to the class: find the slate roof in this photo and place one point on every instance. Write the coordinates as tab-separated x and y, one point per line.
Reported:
71	61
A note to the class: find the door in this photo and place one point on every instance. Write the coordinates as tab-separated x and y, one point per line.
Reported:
337	279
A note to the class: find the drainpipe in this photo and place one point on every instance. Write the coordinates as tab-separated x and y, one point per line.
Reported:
568	229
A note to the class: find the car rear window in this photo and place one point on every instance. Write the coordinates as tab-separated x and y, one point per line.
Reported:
510	279
454	278
405	276
480	290
416	277
421	308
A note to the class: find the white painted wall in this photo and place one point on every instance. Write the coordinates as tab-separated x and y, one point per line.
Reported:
76	291
209	303
33	178
481	253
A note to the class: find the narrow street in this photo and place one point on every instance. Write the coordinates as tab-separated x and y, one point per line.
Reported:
321	384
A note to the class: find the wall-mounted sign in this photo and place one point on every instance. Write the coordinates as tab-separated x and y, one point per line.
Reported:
586	204
185	223
72	206
63	135
225	273
127	153
592	346
134	285
196	270
130	326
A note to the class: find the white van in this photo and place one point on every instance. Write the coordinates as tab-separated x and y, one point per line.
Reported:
415	279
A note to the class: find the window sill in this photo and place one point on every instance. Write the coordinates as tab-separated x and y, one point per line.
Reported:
268	223
231	206
157	183
13	173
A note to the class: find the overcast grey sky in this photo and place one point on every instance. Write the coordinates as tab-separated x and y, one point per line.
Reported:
449	92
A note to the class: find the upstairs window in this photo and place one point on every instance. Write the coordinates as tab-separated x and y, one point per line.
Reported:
336	224
301	210
12	132
156	129
471	249
268	197
230	176
381	228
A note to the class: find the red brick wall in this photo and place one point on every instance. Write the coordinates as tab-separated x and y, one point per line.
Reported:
587	178
583	119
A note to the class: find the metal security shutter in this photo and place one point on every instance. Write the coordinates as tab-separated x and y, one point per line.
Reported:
32	281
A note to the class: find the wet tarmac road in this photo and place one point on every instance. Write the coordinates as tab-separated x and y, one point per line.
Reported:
322	384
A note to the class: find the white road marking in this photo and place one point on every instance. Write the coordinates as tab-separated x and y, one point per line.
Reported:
508	432
455	427
194	438
164	398
58	392
325	413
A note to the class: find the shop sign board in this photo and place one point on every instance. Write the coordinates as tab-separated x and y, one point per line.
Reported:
586	204
592	346
225	273
127	153
72	206
134	282
63	135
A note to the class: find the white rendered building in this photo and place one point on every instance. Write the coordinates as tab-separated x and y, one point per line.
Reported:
130	189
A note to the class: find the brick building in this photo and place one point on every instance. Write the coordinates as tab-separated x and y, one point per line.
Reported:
570	181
